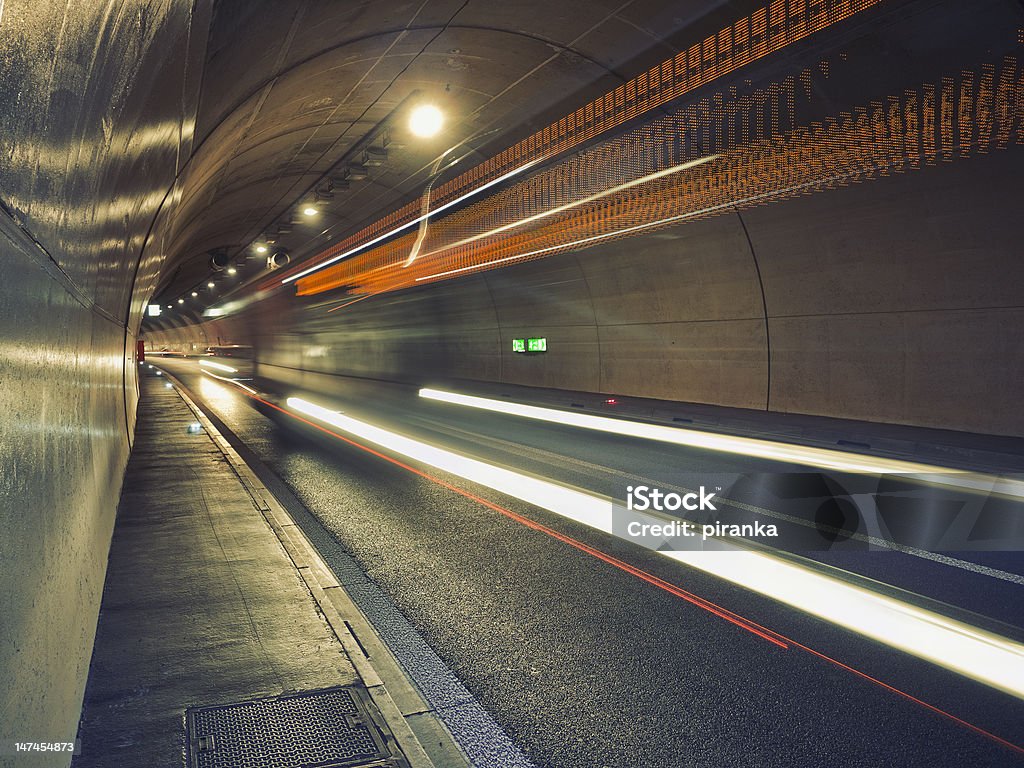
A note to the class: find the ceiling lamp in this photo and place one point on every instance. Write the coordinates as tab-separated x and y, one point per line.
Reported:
425	121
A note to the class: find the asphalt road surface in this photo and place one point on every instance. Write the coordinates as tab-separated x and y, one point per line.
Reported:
592	651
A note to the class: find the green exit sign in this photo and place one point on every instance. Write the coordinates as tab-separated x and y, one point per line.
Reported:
530	345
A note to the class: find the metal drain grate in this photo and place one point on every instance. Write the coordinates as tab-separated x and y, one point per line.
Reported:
329	728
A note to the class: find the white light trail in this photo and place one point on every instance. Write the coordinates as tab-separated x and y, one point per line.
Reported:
961	648
640	227
236	382
550	248
414	222
590	510
576	203
995	661
806	455
218	366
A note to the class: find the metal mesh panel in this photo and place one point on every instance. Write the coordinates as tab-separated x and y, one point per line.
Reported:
331	727
731	150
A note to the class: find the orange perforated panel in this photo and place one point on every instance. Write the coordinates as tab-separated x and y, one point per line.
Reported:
767	30
723	151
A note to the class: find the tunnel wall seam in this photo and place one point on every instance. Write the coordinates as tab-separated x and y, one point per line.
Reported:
764	305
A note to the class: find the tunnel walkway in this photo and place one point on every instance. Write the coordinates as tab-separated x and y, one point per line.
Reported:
202	605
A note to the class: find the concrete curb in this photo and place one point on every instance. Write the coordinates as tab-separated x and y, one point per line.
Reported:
410	718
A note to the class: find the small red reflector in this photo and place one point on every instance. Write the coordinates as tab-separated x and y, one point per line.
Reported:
611	401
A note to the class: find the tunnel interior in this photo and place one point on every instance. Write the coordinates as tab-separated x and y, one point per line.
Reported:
790	219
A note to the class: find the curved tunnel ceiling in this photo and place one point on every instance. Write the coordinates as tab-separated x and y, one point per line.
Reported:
291	89
916	97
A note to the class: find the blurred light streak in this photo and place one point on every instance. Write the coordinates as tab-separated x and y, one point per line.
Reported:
574	204
805	455
747	39
408	224
627	230
579	506
236	382
218	366
760	162
958	647
348	303
985	657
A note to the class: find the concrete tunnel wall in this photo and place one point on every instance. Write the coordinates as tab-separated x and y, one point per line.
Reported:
888	301
91	139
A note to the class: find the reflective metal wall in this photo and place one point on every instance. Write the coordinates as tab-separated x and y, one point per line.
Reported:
91	103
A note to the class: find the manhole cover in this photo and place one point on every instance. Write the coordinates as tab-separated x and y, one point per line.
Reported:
329	728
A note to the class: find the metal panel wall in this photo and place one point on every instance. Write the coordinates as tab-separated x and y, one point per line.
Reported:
91	104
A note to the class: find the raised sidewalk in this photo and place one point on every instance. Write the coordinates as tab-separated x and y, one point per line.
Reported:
206	602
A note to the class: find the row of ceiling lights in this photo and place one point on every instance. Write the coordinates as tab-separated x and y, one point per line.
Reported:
211	285
424	122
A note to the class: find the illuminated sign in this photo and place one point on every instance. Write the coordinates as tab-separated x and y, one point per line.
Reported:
530	345
154	310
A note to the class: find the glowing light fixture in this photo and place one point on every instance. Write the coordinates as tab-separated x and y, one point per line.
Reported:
261	249
194	294
209	285
181	301
425	121
232	271
309	210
